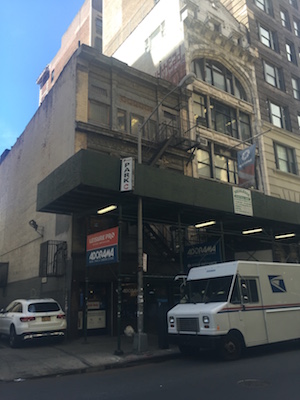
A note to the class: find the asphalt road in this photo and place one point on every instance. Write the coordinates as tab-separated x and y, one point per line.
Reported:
268	373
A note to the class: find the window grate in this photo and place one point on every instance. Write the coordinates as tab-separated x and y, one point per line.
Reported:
53	257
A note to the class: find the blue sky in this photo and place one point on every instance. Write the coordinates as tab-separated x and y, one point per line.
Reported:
30	32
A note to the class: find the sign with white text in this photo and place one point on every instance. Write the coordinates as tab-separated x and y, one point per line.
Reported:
102	247
127	173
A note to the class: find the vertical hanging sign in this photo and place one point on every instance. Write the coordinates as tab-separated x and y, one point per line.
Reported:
102	247
246	167
127	174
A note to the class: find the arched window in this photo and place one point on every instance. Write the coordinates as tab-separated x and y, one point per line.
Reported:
217	75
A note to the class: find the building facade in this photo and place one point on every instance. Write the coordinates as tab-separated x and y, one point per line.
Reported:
86	28
66	169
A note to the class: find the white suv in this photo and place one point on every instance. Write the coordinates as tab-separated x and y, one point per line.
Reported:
23	320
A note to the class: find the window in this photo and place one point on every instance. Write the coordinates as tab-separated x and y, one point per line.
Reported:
98	113
294	3
200	110
285	158
121	118
98	44
52	75
285	19
99	26
53	258
273	75
217	75
268	38
279	116
135	122
154	40
298	119
244	120
204	163
296	88
296	24
223	118
264	5
290	52
226	169
249	291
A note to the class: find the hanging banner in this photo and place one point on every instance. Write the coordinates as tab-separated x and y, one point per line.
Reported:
127	174
102	247
246	166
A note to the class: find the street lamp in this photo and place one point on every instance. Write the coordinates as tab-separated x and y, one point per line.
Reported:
141	336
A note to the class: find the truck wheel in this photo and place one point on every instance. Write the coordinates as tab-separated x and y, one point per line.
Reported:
231	347
188	350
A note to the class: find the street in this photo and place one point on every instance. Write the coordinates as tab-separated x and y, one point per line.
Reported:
265	373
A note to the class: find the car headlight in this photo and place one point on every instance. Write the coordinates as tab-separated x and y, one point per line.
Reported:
171	320
205	319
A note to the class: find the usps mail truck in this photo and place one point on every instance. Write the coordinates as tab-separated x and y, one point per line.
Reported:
230	306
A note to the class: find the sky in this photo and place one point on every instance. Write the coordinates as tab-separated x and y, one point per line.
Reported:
31	32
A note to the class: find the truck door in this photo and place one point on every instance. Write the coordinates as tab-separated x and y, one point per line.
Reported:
249	314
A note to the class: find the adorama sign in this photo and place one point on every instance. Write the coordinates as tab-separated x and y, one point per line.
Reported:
102	247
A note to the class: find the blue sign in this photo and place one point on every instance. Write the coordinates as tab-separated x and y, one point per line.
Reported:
103	255
277	284
202	254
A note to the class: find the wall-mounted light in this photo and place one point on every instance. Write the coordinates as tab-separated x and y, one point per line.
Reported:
107	209
204	224
250	231
285	236
36	227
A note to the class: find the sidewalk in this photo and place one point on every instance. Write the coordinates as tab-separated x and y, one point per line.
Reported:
77	356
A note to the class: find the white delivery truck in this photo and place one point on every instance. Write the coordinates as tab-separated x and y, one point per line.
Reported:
237	304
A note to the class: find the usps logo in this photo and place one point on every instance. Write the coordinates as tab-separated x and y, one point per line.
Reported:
277	284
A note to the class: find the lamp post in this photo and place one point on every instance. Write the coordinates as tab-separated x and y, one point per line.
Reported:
141	336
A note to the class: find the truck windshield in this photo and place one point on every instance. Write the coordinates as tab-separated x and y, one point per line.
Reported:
209	290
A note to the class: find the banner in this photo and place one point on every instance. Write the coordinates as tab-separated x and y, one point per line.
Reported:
127	174
102	247
246	166
202	254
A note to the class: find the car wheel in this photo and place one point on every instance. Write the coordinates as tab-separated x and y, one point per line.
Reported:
13	337
231	347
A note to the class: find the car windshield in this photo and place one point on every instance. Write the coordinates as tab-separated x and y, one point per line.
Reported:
43	307
209	290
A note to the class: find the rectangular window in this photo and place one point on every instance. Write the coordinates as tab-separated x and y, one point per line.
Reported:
200	110
285	158
285	19
121	118
298	119
53	258
273	75
223	118
99	26
244	120
264	5
268	38
296	24
204	164
249	291
296	88
135	122
98	113
226	169
290	52
279	116
294	3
